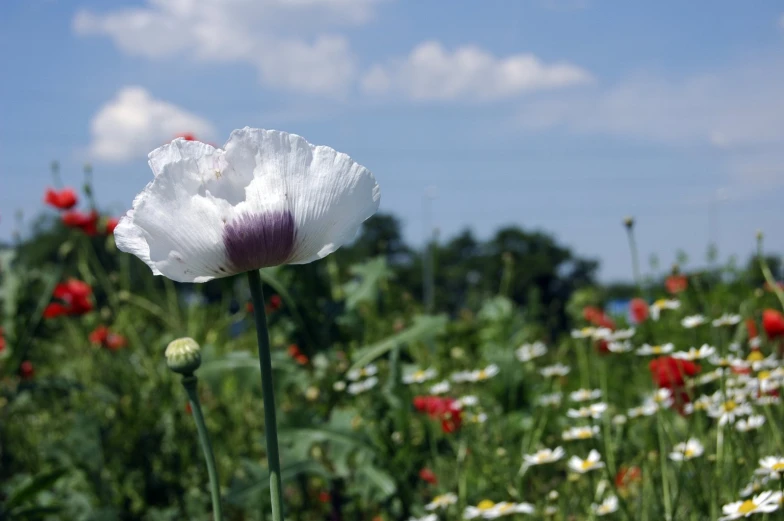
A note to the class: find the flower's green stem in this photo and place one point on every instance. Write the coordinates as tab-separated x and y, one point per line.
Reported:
270	422
189	382
663	464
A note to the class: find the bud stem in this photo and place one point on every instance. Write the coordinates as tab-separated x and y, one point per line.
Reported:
270	422
189	382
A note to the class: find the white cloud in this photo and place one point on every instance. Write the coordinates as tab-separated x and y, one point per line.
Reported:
431	72
285	40
134	123
733	107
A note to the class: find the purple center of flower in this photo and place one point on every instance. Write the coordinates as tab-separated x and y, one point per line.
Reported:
254	241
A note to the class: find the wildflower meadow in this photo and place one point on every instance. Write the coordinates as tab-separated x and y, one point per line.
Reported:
253	341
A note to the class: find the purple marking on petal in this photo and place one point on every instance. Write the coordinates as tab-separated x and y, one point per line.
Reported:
254	241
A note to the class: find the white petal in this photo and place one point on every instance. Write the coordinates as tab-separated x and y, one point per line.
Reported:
176	224
328	194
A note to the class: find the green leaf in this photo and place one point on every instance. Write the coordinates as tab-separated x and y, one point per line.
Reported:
378	478
35	513
370	276
424	326
250	490
38	484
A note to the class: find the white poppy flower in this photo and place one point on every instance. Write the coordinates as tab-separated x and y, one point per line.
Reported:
686	451
266	198
592	462
768	501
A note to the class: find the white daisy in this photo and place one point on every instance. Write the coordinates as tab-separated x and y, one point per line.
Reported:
619	419
592	462
441	387
695	354
428	517
506	508
554	370
693	321
550	400
468	400
419	376
362	386
442	501
686	451
726	319
580	433
709	377
662	304
751	423
728	411
586	332
620	347
608	506
768	501
771	466
477	375
594	411
622	334
266	198
755	485
663	349
527	352
543	456
363	372
646	409
584	395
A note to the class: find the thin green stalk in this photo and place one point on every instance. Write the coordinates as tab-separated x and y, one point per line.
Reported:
270	422
663	467
189	382
635	255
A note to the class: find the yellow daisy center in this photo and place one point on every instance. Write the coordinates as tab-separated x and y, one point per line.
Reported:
505	507
482	374
419	374
586	330
485	504
657	350
755	356
763	375
747	506
730	405
584	434
586	464
688	453
660	303
778	467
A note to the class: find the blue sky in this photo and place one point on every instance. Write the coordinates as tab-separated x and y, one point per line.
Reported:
562	115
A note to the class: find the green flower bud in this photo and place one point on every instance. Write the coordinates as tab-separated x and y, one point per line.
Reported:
628	222
183	355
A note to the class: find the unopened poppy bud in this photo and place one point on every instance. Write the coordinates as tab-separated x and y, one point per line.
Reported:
183	356
628	222
759	235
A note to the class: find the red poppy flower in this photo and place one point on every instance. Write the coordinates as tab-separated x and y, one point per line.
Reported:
669	372
87	222
627	476
188	408
324	496
773	323
111	224
676	284
75	297
249	307
274	303
441	408
105	338
301	359
639	310
293	350
428	476
26	370
64	199
592	313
